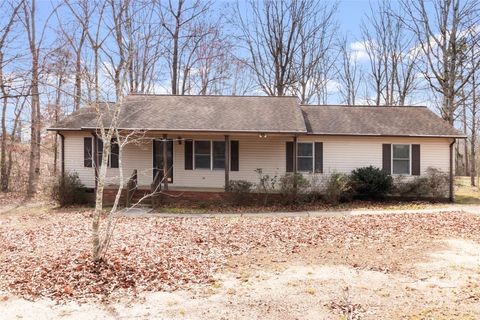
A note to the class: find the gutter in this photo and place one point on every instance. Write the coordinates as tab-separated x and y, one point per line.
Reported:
451	194
298	133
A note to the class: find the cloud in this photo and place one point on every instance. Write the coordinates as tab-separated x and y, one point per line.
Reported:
359	51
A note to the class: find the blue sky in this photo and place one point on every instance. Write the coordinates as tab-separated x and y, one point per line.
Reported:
350	15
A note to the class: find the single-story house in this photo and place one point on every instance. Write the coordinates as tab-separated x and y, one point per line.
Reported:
211	140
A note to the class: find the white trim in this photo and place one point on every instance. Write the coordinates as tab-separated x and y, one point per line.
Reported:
409	158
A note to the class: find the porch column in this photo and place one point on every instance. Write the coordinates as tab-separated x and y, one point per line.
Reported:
165	163
227	162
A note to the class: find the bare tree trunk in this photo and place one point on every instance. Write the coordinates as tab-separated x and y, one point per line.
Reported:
78	73
35	136
3	164
175	48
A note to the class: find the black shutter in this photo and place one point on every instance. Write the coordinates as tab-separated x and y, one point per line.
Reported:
154	164
114	151
319	157
289	156
387	158
170	160
188	155
415	159
87	152
234	158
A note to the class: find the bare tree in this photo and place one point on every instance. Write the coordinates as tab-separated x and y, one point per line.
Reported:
178	19
446	32
349	75
393	58
472	116
75	38
11	11
316	49
145	37
270	32
29	10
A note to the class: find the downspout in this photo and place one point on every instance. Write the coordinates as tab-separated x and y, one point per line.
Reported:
62	159
451	195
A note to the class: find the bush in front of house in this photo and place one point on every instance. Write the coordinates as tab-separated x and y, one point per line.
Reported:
337	188
294	188
266	184
434	184
370	182
239	191
69	190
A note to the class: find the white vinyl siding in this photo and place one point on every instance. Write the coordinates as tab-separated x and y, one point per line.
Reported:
340	154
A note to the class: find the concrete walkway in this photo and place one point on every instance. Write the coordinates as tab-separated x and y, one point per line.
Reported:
148	212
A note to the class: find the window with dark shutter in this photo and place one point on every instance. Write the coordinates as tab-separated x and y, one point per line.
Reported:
387	158
305	156
401	159
87	152
415	159
234	155
319	157
289	156
202	151
114	152
188	155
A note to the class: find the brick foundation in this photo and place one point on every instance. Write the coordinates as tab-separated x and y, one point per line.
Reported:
170	197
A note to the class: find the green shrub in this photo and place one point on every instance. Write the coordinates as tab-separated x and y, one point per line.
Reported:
69	190
337	188
239	191
370	182
293	187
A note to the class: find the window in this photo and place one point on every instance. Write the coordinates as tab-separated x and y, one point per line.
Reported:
87	152
401	158
305	157
114	153
88	155
218	154
202	155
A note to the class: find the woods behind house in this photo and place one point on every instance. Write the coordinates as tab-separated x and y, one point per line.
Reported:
59	56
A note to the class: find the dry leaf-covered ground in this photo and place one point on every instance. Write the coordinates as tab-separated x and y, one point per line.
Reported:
396	266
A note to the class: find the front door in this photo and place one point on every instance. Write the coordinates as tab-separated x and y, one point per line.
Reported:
158	158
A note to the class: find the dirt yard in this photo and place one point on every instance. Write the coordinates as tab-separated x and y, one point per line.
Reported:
358	267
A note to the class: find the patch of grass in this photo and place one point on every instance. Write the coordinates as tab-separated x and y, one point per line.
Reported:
465	193
181	210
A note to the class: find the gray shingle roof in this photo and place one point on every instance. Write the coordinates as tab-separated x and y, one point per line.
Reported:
262	114
201	113
376	121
